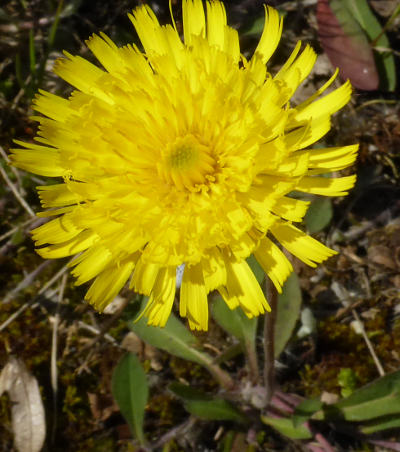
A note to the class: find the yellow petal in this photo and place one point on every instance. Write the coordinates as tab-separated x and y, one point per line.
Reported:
90	263
144	277
271	34
305	135
332	159
52	212
83	240
243	247
38	159
70	192
107	285
56	195
290	209
297	70
193	297
318	92
59	230
326	105
216	23
300	244
106	52
294	166
194	22
147	26
52	106
326	186
275	264
232	46
161	299
214	270
243	288
81	74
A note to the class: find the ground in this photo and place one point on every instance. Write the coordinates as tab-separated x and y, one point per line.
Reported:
42	312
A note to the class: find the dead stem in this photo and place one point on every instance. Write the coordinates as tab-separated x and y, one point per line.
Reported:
369	344
107	325
53	361
14	189
33	300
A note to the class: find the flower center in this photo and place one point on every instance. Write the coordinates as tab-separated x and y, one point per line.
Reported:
187	164
183	156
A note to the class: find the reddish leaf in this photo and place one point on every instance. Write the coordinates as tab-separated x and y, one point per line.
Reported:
346	44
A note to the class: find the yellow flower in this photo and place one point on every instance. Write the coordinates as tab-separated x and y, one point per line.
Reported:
183	153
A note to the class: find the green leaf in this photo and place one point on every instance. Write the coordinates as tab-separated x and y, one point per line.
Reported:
32	53
372	28
383	423
130	390
319	215
305	410
174	338
234	321
256	27
256	268
285	427
54	26
380	398
18	237
289	304
346	44
187	392
206	406
216	410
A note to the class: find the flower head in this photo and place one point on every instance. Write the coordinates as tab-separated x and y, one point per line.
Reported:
184	152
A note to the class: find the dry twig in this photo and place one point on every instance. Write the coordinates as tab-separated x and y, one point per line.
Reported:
369	344
53	360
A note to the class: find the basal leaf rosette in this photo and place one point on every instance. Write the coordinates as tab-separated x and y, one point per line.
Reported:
184	152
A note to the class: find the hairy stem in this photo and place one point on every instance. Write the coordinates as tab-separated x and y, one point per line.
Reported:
252	361
269	342
223	378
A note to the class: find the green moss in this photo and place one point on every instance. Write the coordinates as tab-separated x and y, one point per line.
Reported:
165	408
340	347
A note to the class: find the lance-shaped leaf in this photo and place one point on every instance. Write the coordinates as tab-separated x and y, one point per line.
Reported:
289	304
379	398
346	44
319	215
177	340
285	427
174	338
305	410
206	406
130	390
380	424
373	29
234	321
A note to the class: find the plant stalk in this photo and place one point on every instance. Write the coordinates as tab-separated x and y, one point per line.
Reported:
269	340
